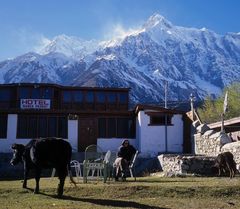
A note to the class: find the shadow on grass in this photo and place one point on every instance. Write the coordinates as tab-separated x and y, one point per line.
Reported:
163	181
106	202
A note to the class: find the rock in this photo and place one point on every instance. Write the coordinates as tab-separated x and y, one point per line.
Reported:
202	128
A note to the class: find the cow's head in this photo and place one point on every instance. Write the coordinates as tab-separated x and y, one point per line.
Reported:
18	150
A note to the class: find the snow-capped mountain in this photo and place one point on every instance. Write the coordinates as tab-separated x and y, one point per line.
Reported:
192	60
70	46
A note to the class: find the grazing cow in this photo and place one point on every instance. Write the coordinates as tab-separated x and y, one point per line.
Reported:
44	153
225	163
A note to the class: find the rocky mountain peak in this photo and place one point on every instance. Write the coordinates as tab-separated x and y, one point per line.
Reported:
192	60
157	20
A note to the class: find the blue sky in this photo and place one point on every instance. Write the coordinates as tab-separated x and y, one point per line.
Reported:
27	24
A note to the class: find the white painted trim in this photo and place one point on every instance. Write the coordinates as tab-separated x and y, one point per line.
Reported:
73	134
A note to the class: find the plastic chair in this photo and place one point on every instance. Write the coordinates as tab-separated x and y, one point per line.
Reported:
130	168
95	162
111	164
98	169
77	167
132	165
73	164
93	153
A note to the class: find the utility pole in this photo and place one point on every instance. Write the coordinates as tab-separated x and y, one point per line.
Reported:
165	92
166	135
225	109
192	98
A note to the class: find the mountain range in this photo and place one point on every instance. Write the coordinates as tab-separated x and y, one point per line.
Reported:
188	60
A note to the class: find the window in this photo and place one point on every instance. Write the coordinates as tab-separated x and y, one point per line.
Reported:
116	127
41	126
52	127
32	131
67	96
112	97
100	97
102	128
90	97
62	124
78	96
160	120
5	95
122	128
24	93
131	128
123	98
47	93
22	127
3	126
36	93
111	127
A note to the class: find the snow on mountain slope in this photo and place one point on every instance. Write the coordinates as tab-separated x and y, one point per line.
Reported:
192	60
70	46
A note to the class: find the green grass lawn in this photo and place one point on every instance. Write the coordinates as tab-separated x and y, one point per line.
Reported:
146	192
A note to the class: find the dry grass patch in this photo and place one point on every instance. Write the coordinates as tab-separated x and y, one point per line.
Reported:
146	192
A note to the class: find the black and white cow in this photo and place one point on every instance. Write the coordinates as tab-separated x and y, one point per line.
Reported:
44	153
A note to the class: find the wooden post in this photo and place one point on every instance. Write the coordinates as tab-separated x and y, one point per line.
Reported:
222	126
166	129
192	107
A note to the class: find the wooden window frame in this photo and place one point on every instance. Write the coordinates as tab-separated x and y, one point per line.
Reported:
26	135
3	126
131	132
162	121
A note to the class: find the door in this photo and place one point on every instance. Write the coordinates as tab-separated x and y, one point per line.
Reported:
87	133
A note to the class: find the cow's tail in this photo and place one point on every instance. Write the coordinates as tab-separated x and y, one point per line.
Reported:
70	174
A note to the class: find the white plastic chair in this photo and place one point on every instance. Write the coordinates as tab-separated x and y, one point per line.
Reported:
77	167
131	168
132	165
98	166
93	155
73	164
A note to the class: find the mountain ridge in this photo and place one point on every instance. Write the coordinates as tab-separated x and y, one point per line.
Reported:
197	61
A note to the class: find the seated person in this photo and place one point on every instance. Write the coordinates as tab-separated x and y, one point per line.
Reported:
125	154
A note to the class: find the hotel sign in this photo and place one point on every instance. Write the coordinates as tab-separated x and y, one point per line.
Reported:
35	103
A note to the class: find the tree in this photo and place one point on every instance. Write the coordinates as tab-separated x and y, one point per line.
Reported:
212	109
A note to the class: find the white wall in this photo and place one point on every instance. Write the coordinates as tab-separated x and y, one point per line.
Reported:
112	144
175	135
73	134
152	138
6	144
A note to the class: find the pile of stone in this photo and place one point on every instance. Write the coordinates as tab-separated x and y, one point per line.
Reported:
179	165
207	145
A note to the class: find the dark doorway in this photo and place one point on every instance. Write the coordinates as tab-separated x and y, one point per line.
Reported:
87	134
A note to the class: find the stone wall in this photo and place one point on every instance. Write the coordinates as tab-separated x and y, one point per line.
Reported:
210	143
173	164
234	148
